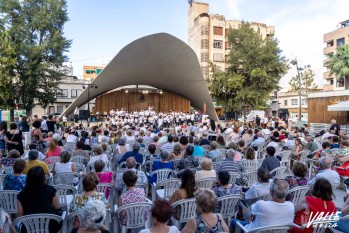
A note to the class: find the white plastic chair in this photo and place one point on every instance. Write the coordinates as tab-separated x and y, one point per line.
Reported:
68	223
79	159
52	160
162	174
79	167
67	178
2	178
218	158
70	146
166	188
298	193
35	223
233	177
8	201
251	177
136	215
90	168
66	195
271	229
228	205
205	182
6	170
279	172
103	188
187	210
251	164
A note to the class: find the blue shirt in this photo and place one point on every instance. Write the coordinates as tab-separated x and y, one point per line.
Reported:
138	157
198	151
214	153
12	182
159	165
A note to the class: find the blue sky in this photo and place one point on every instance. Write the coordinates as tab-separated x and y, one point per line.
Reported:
101	28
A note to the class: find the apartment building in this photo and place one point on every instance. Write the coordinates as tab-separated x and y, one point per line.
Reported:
207	35
68	90
332	40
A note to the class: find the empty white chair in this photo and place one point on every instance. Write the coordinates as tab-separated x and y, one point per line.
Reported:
66	178
233	177
66	195
205	182
136	215
8	201
278	172
251	164
35	223
187	210
165	188
108	190
298	193
228	205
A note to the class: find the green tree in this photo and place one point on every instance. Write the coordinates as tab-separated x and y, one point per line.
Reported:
338	63
35	29
255	66
307	83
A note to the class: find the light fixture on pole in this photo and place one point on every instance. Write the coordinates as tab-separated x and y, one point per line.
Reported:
89	86
295	63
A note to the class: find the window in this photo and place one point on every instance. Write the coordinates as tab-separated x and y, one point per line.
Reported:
63	93
74	93
218	57
218	44
340	41
204	57
340	83
204	44
304	102
218	31
204	31
294	102
331	81
329	43
59	109
285	102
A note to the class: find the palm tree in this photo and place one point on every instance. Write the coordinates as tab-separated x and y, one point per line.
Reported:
338	63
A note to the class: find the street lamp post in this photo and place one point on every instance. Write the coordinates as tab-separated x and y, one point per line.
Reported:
89	86
295	62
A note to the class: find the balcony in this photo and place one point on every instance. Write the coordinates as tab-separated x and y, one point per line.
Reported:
328	87
328	50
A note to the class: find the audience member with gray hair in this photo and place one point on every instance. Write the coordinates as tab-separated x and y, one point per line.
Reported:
325	171
34	162
134	153
271	213
93	216
131	164
164	163
206	170
229	164
259	140
289	142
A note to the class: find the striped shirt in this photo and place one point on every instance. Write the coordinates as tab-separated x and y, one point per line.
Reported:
230	166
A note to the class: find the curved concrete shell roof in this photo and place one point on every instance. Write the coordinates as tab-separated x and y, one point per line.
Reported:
158	60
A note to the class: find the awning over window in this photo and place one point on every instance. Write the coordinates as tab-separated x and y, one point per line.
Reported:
342	106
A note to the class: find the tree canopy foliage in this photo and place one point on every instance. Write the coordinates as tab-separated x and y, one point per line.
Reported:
338	62
307	83
32	32
254	68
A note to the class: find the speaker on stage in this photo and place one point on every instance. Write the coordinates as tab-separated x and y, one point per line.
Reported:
84	114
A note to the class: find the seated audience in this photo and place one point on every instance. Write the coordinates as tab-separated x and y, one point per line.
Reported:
177	152
206	219
326	172
206	170
221	142
134	153
33	162
204	140
311	145
16	180
168	146
39	198
93	216
161	213
32	146
299	178
189	161
343	225
6	223
12	156
53	149
335	143
79	149
98	155
163	164
64	165
325	151
152	153
270	213
319	202
290	143
89	185
130	165
262	186
229	164
259	141
270	162
272	142
132	195
198	150
121	148
213	150
187	187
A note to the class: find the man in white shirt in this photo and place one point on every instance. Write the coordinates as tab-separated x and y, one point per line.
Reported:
276	212
326	172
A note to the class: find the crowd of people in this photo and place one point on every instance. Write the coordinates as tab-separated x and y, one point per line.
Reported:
129	146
